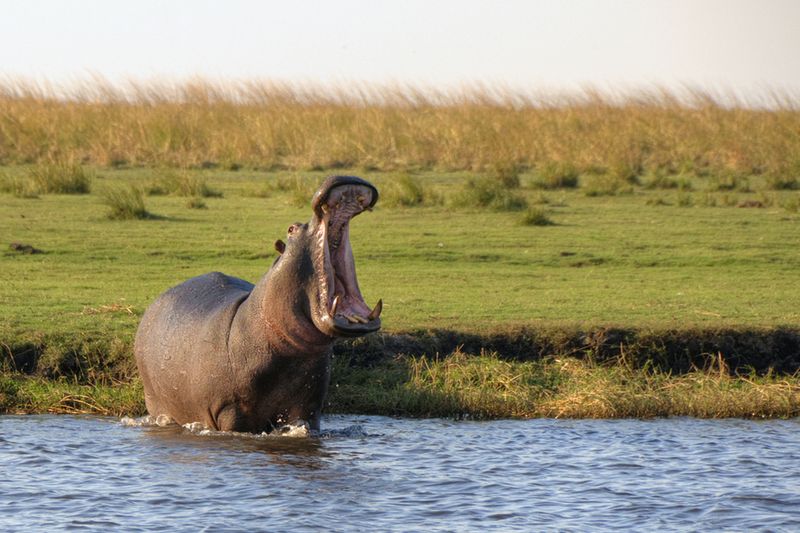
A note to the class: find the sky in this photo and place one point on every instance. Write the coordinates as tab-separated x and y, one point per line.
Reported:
742	46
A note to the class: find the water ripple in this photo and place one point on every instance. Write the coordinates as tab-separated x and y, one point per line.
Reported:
386	474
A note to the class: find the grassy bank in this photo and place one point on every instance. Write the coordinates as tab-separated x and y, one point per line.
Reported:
634	284
477	386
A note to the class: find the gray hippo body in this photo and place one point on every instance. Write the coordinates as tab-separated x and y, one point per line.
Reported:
242	357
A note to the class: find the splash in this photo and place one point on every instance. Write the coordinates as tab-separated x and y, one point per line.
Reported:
147	421
299	429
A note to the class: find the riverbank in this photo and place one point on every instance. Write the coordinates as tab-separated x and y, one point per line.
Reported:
474	387
557	373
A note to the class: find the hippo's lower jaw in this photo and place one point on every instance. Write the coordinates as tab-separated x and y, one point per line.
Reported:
341	310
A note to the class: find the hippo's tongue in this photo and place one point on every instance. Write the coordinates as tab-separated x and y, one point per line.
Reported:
346	305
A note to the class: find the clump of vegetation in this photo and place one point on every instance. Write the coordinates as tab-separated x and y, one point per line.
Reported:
125	203
56	178
782	183
707	200
729	181
196	203
19	187
684	199
488	193
540	199
407	191
625	171
710	199
535	216
301	190
660	180
656	200
180	183
258	192
556	175
607	185
506	172
784	175
792	204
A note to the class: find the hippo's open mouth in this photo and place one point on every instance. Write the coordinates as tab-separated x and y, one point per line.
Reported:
343	308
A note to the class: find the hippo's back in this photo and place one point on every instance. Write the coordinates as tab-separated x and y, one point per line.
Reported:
181	346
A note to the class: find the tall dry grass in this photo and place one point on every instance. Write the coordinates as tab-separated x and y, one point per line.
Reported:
266	124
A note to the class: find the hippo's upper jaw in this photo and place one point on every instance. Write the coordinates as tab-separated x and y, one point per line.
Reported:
341	310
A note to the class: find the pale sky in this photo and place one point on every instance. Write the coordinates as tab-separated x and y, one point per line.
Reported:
739	45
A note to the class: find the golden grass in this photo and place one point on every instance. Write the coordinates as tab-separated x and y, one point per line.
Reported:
29	394
486	386
266	124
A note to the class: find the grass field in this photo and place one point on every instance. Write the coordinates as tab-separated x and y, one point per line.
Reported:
671	224
606	260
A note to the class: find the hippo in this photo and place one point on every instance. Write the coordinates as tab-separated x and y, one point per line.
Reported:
250	358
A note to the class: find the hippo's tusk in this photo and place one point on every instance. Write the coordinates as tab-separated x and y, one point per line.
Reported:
375	313
334	305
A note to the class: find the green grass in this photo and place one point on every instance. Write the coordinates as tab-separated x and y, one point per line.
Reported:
536	216
180	183
27	394
125	203
556	175
488	193
196	203
612	260
407	191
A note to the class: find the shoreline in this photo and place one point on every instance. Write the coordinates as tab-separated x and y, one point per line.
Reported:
513	373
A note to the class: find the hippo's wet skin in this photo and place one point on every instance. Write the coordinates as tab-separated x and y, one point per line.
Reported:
239	357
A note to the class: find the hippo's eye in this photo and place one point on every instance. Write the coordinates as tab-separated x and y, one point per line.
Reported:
290	230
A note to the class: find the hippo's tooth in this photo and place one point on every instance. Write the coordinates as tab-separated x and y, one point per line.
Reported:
375	313
334	305
360	319
351	318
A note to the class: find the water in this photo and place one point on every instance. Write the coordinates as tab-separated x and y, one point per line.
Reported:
385	474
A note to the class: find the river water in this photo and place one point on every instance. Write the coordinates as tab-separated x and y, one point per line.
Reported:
365	473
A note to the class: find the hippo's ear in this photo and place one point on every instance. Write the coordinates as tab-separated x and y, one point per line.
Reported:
280	246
